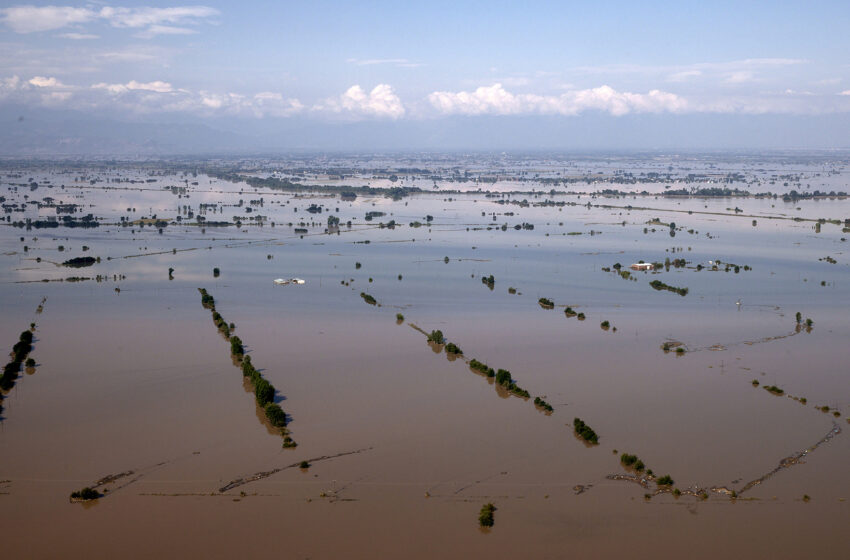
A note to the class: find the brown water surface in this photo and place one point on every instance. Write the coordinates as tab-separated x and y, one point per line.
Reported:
406	445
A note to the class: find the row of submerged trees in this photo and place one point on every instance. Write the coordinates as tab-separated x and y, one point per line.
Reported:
20	355
659	285
264	391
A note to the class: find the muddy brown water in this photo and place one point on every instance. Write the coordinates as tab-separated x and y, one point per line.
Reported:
140	380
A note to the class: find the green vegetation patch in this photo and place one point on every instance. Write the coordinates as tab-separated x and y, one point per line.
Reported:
80	262
632	462
20	353
482	367
452	348
659	285
585	432
503	378
275	415
85	494
436	337
485	516
540	403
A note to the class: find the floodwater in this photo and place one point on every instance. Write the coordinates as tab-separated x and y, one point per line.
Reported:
133	379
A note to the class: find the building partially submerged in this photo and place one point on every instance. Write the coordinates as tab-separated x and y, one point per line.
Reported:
642	266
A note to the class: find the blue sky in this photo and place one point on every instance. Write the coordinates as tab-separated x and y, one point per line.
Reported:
397	64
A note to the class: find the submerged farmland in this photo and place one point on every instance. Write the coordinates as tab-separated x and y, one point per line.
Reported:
387	356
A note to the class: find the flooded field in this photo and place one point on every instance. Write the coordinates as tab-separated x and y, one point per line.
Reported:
722	369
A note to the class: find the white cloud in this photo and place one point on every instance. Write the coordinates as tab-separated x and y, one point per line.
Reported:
48	90
111	88
380	102
154	21
44	82
29	19
263	104
212	101
144	17
486	99
275	105
78	36
155	30
146	97
157	86
495	100
158	96
133	85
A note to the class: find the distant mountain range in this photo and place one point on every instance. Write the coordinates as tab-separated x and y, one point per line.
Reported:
73	134
29	132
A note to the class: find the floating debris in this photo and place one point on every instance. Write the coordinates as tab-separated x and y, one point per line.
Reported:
785	463
286	281
581	488
794	459
265	474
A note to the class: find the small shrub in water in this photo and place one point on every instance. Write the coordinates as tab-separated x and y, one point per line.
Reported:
85	494
485	516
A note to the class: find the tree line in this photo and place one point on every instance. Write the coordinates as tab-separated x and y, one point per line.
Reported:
264	391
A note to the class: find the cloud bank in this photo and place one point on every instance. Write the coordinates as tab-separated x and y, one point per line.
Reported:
150	21
495	100
133	85
383	103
